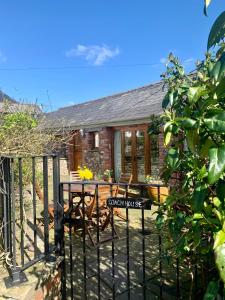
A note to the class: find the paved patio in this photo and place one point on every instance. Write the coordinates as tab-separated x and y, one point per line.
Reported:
136	239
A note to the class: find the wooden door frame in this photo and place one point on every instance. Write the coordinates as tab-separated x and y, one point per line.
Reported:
134	129
75	148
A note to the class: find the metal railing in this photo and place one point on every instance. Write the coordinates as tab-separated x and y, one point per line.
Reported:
76	280
26	237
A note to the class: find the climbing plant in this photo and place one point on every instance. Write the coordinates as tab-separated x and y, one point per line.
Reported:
194	133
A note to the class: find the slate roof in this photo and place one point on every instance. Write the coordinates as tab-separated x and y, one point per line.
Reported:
10	105
130	107
19	107
4	97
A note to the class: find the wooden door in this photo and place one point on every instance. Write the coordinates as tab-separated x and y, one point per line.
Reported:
77	152
135	154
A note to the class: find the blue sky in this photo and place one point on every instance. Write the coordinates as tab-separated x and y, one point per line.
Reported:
65	52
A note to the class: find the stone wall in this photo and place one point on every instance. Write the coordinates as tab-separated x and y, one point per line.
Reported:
98	159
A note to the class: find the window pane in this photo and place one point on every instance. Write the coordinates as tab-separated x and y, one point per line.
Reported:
128	152
140	138
96	139
117	154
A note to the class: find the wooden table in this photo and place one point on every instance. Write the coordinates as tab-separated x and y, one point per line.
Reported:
79	209
79	188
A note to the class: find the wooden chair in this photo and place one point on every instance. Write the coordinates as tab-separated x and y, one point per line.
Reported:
121	189
97	217
100	198
74	176
51	209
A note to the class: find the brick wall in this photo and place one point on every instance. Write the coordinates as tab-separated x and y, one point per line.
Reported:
100	159
106	142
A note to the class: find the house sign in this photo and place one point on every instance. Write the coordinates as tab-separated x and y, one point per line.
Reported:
134	203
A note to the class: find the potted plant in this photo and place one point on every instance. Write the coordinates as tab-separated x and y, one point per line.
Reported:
157	193
85	173
108	175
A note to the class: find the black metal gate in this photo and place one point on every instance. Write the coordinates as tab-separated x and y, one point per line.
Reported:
110	245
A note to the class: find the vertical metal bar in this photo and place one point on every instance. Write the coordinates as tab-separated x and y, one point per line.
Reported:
9	203
56	195
5	183
113	248
34	205
13	217
98	242
178	278
196	278
46	215
84	242
128	247
60	241
60	230
160	254
70	241
143	247
21	210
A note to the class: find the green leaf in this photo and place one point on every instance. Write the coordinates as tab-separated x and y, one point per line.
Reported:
173	158
220	260
219	239
222	68
216	163
216	123
217	31
220	190
220	90
205	146
202	173
197	216
216	70
165	101
188	123
171	98
216	202
212	290
207	2
192	139
167	138
194	93
199	195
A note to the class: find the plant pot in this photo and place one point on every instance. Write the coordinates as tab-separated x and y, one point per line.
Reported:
107	179
153	193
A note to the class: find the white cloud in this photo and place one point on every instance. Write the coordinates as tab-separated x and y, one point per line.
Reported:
3	58
96	55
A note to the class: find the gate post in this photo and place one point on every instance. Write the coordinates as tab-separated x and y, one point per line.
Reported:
16	275
6	197
59	221
58	206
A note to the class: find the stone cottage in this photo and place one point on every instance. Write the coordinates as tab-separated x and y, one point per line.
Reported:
112	132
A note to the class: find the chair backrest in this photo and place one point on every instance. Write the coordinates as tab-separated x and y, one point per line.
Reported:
74	176
124	178
104	192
